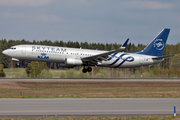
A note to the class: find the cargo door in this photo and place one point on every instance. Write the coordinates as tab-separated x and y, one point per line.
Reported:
141	60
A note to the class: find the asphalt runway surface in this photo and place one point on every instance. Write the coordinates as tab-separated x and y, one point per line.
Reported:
94	80
88	107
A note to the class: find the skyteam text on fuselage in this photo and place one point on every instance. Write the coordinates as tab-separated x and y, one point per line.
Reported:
71	57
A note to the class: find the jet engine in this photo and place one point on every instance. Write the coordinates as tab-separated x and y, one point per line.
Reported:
73	61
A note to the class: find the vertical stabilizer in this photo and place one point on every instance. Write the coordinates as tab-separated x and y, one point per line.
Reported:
156	46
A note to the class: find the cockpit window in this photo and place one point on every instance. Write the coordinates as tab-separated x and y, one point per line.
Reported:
12	48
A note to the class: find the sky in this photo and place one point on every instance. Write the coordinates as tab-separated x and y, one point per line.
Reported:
92	21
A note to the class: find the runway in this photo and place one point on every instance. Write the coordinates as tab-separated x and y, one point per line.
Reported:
88	107
85	107
93	79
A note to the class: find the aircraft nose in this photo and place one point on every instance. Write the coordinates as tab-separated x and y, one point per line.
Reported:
5	52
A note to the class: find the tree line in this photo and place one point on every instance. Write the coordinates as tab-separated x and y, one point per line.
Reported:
6	61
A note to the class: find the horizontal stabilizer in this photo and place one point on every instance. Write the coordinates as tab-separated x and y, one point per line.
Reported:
162	57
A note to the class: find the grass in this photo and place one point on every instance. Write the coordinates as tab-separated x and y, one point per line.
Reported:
96	73
18	72
100	118
14	73
90	89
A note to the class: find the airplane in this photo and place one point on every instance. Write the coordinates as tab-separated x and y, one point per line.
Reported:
71	57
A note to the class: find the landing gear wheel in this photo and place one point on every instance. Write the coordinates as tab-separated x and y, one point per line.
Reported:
84	70
89	69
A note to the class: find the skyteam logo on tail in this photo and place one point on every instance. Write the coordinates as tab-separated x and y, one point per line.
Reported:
159	44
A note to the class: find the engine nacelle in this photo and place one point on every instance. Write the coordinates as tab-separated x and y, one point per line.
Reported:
66	66
73	61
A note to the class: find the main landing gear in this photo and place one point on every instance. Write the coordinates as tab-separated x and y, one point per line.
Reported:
84	70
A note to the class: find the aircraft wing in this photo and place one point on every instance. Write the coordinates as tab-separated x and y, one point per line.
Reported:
103	56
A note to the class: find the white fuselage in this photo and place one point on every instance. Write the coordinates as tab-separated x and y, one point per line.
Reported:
59	54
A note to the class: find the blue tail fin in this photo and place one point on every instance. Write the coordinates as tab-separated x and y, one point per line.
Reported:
156	47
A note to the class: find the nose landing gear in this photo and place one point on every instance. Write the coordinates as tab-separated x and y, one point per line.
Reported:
84	70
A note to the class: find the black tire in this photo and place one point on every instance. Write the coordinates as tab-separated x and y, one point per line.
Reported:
89	69
84	70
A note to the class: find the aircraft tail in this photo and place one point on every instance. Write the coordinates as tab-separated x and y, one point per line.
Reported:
156	46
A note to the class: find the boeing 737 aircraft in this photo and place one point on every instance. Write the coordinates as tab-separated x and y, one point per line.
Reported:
71	57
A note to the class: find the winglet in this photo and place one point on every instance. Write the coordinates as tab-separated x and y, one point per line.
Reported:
125	43
123	46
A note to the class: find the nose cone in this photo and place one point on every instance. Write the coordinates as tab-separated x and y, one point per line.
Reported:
5	52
